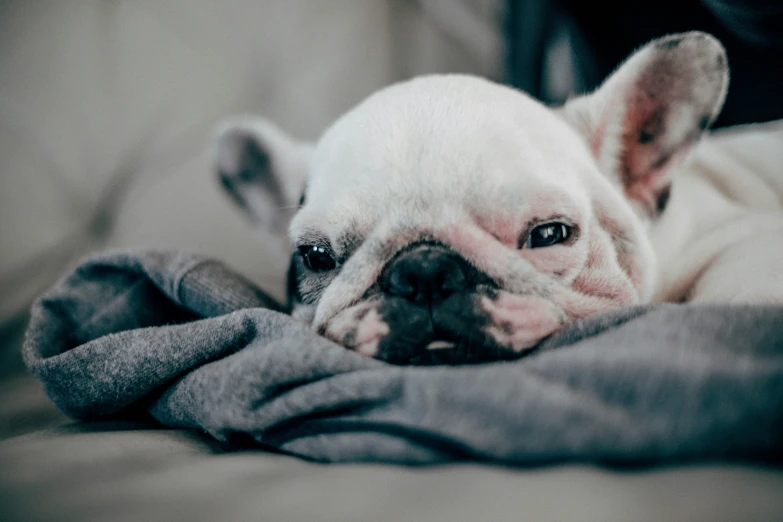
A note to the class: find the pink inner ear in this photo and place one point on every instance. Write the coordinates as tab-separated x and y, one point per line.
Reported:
642	163
648	149
641	159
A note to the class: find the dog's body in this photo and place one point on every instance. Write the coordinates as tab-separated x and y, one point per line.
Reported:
451	212
721	236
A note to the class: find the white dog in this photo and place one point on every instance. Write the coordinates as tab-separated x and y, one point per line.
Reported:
453	213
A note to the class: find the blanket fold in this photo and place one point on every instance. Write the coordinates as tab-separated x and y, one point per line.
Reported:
196	345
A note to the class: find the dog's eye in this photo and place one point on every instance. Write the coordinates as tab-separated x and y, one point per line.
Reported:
317	258
547	235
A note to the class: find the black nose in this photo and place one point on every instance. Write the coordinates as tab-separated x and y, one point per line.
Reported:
426	273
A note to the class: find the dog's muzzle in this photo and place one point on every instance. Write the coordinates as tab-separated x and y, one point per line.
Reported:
426	275
431	308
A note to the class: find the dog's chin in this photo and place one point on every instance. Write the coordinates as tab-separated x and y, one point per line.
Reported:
448	332
465	328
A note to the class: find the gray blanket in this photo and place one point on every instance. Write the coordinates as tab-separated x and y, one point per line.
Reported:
192	344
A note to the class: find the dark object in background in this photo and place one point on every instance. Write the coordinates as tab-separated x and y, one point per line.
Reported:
604	32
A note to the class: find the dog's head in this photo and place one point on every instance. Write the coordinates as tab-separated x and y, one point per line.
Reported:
452	213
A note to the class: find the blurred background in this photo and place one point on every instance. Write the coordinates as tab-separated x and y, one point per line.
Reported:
107	106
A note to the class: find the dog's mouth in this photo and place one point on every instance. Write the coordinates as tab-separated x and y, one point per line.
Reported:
476	326
451	333
454	353
440	345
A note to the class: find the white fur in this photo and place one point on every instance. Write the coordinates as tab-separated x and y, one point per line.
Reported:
721	238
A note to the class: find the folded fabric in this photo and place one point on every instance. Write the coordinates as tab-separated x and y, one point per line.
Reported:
195	345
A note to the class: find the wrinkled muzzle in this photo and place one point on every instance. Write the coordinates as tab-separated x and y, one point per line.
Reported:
431	306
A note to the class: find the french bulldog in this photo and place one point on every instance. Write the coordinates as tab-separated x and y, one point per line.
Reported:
449	213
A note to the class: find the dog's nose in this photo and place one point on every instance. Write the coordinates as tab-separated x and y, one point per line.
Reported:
426	273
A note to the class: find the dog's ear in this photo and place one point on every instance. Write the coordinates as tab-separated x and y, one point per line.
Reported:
646	116
262	169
